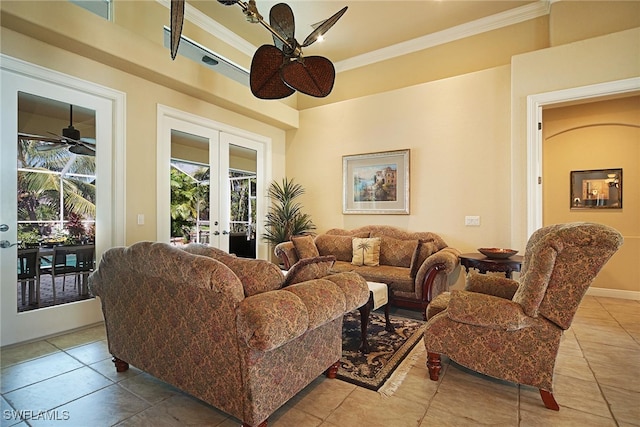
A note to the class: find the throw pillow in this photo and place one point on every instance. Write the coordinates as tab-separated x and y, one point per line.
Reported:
366	251
305	247
423	251
397	252
340	246
309	269
257	275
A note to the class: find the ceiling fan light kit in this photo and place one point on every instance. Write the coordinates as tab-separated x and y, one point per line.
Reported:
277	70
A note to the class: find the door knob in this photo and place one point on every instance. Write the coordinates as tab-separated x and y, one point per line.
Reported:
7	244
216	233
4	227
225	232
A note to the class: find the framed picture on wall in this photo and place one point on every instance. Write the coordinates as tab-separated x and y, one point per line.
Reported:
376	183
596	189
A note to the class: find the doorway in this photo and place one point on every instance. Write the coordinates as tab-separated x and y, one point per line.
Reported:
56	201
535	104
107	106
227	171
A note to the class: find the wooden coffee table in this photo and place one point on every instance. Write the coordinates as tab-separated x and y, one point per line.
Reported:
371	305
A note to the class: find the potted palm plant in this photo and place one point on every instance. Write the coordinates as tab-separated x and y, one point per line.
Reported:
285	217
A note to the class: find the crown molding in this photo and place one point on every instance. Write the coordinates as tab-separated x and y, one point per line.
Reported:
479	26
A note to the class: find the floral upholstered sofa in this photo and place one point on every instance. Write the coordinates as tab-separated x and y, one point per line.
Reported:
232	332
417	266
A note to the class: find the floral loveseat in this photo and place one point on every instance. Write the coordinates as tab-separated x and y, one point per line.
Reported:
230	331
417	266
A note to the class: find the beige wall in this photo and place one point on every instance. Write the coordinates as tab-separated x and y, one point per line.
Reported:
599	60
599	135
467	136
458	132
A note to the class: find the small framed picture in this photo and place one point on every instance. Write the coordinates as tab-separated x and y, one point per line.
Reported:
376	183
596	189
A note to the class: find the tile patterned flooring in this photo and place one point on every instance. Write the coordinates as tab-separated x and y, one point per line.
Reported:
597	383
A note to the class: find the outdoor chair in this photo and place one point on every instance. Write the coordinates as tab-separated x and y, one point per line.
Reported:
28	274
71	260
511	329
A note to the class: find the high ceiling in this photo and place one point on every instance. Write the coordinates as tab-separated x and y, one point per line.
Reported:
366	27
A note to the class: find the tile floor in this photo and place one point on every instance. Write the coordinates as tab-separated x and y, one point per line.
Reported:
597	383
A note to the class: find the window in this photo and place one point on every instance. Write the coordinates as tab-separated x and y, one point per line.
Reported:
99	7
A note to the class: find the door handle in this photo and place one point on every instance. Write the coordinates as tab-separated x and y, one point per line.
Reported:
4	227
216	233
7	244
225	232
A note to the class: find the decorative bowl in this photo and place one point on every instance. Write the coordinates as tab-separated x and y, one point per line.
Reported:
497	253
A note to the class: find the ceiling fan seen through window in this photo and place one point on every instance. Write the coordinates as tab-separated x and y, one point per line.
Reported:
70	138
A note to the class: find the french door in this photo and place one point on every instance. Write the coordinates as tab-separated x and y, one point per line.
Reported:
18	78
185	139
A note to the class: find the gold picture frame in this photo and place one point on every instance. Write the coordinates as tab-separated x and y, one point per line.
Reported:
596	189
376	183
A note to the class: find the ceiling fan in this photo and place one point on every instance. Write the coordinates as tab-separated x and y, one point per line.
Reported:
70	138
278	70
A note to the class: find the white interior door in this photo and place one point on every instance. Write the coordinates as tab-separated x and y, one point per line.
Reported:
17	76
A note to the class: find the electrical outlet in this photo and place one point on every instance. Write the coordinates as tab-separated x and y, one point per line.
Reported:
472	221
140	219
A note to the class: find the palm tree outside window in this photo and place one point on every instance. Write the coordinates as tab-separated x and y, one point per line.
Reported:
54	188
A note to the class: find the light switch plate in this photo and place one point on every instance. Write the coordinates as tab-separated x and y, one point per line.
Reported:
472	221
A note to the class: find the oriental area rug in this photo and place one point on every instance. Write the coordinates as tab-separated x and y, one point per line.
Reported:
387	351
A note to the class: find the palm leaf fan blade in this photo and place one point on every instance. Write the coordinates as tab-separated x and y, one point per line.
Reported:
177	19
282	21
312	76
264	76
323	28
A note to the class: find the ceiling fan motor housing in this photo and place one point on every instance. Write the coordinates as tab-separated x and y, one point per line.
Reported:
71	133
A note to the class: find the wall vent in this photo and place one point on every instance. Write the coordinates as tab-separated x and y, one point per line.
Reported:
206	57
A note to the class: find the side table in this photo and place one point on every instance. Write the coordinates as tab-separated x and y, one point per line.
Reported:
483	264
381	299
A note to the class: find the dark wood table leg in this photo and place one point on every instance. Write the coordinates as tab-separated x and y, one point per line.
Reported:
389	326
365	310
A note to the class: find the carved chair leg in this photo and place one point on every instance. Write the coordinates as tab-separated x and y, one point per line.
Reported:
548	400
434	365
121	365
333	370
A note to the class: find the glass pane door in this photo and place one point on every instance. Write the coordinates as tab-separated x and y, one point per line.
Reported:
56	201
242	238
244	172
49	195
190	189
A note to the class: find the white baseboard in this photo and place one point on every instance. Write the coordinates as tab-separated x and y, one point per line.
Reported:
613	293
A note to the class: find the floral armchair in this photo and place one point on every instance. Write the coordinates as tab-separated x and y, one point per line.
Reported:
511	329
230	331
